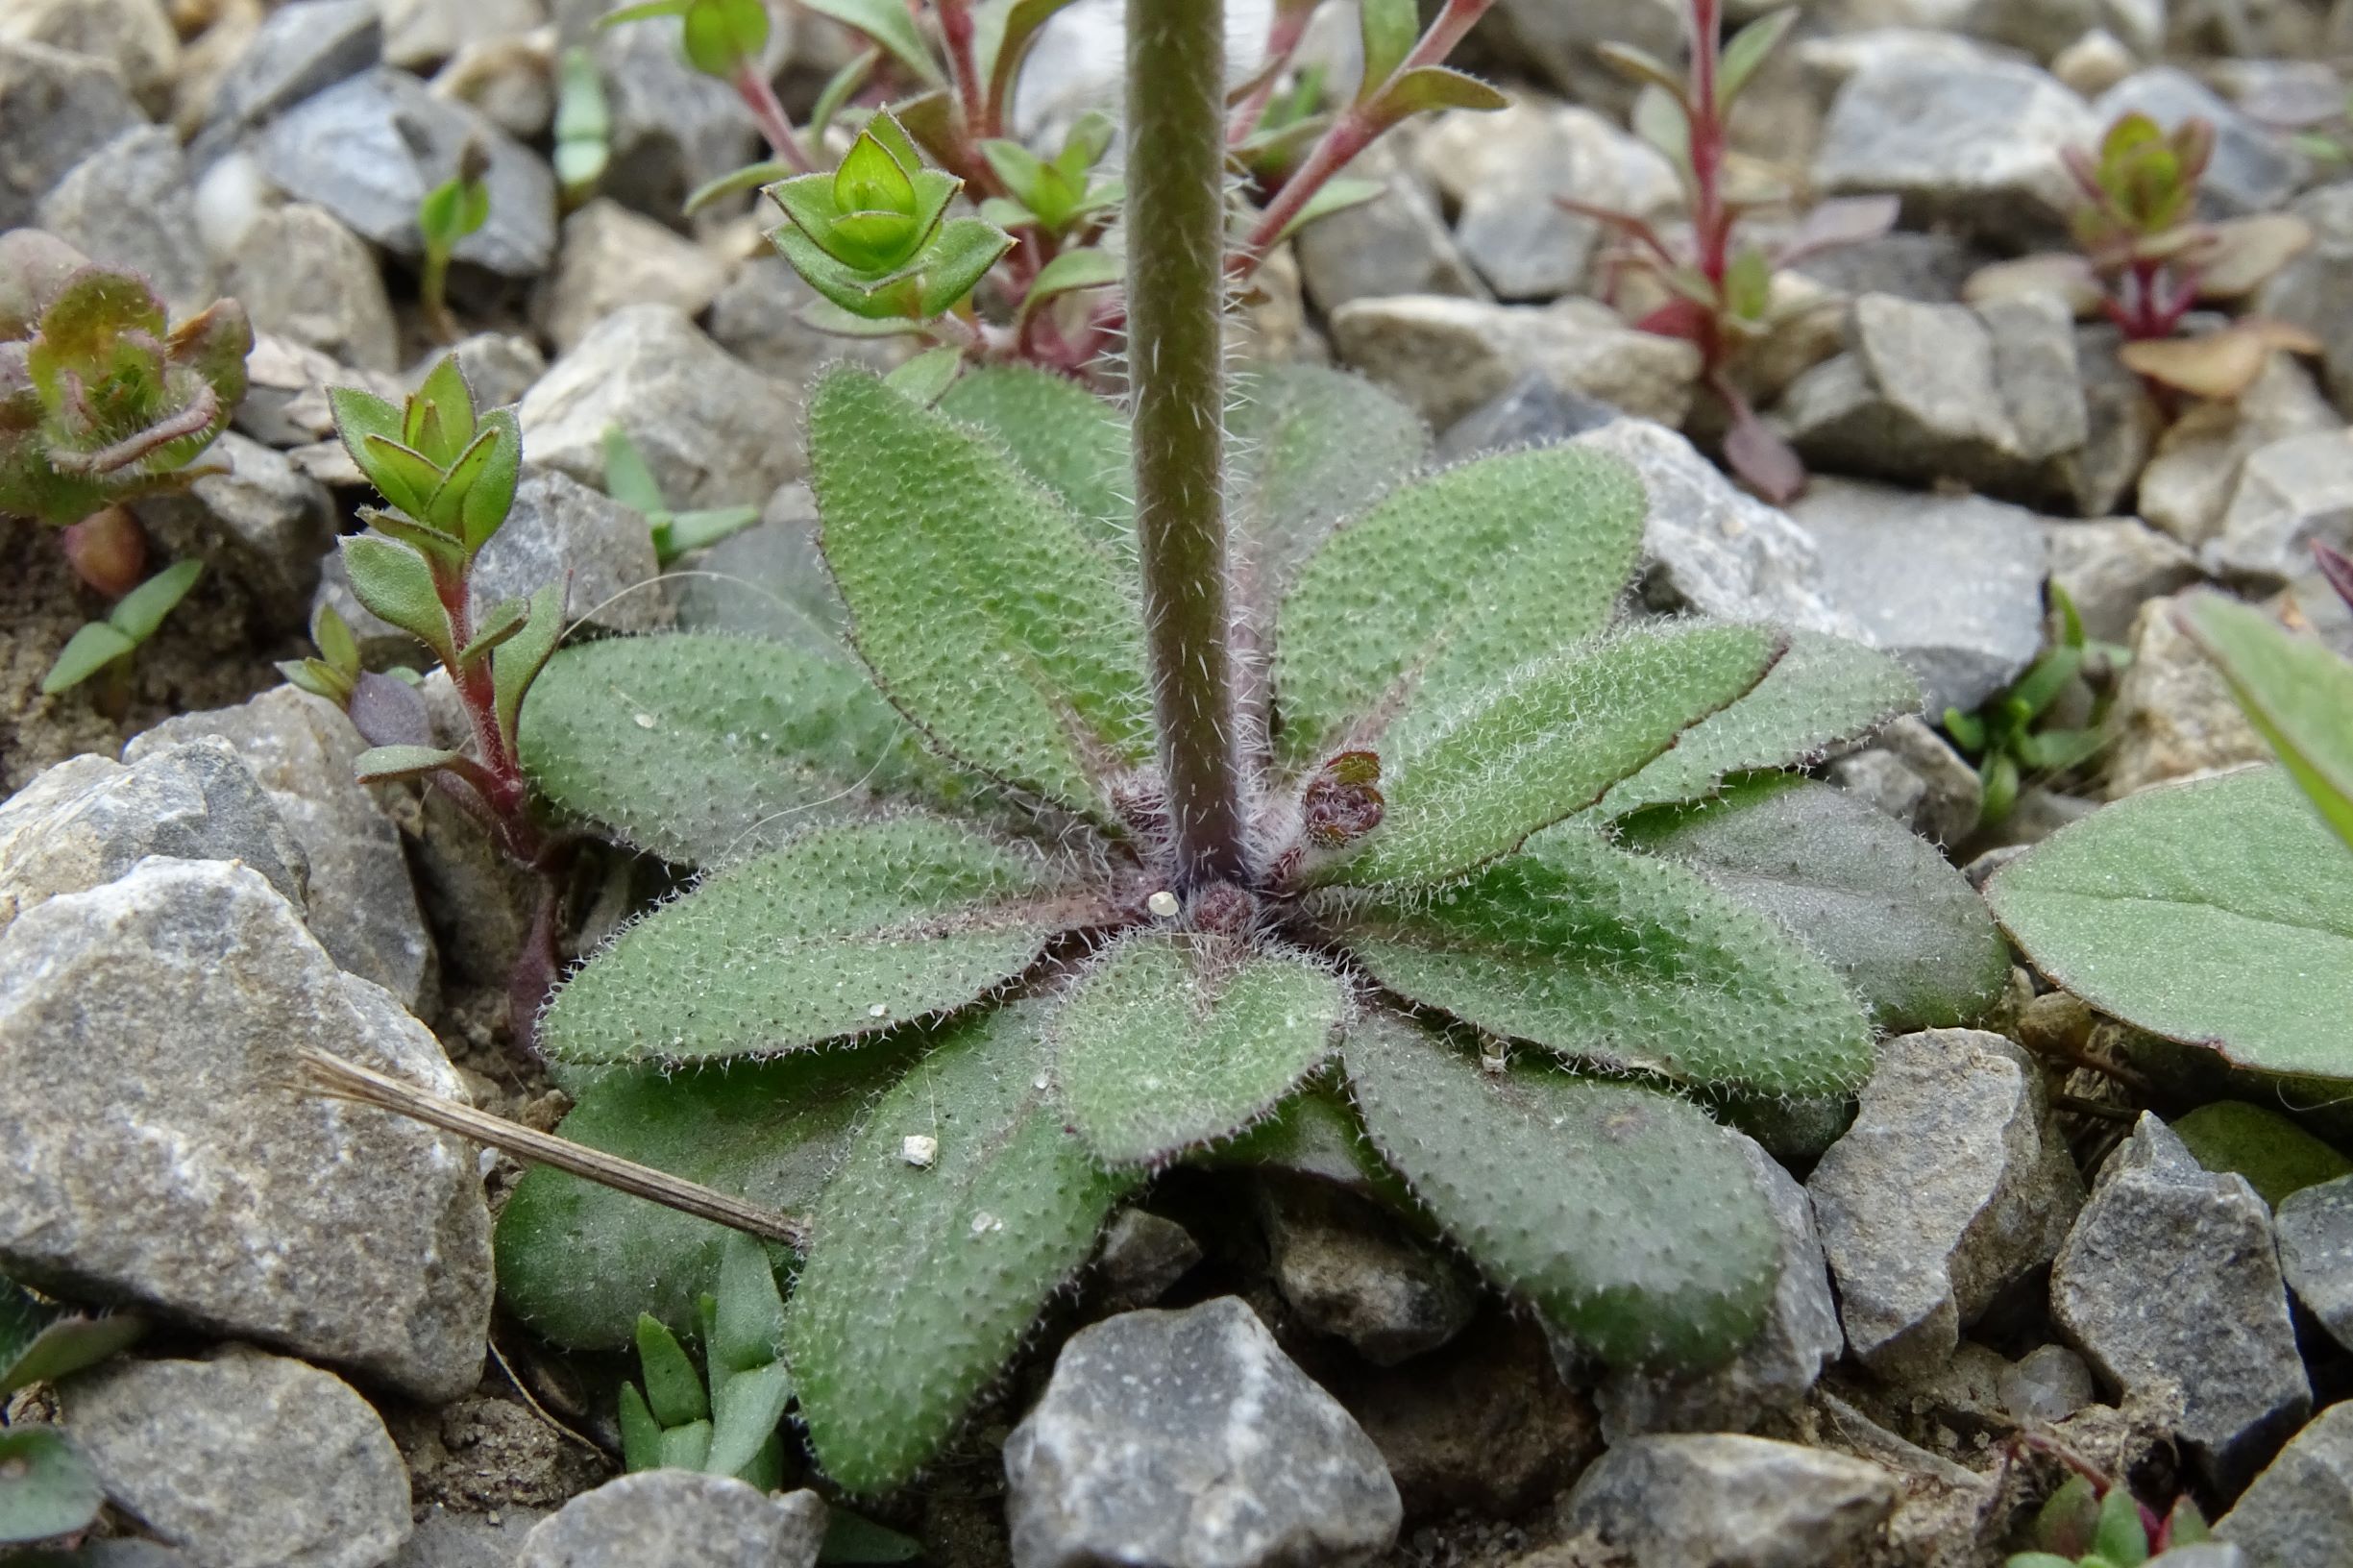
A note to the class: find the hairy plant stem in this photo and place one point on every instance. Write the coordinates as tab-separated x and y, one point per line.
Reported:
1175	299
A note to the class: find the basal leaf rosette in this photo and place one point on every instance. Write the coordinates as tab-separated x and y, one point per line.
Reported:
1466	766
874	236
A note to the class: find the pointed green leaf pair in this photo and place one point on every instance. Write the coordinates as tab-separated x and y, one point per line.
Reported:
580	1263
2217	912
870	236
451	472
1623	1215
2297	692
1623	961
135	618
923	1277
993	618
1467	785
707	749
1172	1042
844	931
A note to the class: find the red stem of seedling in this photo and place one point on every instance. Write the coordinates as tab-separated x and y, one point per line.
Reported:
753	87
1283	38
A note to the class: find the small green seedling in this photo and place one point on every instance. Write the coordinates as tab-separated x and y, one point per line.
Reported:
583	125
451	211
629	481
2007	736
2092	1523
47	1487
104	647
1719	285
101	401
726	1426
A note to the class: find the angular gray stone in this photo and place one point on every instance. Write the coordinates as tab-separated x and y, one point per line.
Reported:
2315	290
369	148
265	524
1531	412
672	128
2049	1384
1350	1270
302	49
2125	423
2253	169
2173	715
1499	172
59	109
1952	585
148	1036
1713	549
1912	774
2289	494
2110	566
2170	1281
87	820
301	751
2186	484
1778	1368
1951	1184
1553	42
300	274
1446	355
1978	146
1929	268
756	317
1723	1500
715	433
245	1459
2300	1509
444	1539
1925	392
2315	1253
422	33
1141	1254
1187	1440
1396	243
679	1519
134	37
610	257
128	205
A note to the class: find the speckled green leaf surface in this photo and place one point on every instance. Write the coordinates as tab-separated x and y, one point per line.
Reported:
1826	688
844	931
1448	584
923	1278
1626	1216
1469	784
1875	900
992	617
1171	1042
2217	912
579	1261
707	749
1058	433
1616	959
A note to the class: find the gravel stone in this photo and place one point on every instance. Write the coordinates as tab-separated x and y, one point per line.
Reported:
368	150
672	128
302	49
1913	774
715	433
1778	1367
1187	1440
2173	715
2315	1253
148	1031
2109	568
87	820
1723	1500
245	1459
679	1519
443	1539
611	257
1531	412
301	751
1396	243
1445	356
422	33
128	205
1143	1255
756	317
1951	1184
2187	485
2300	1509
1952	585
1348	1269
265	524
1975	145
59	109
2050	1383
134	37
300	274
2170	1281
2289	494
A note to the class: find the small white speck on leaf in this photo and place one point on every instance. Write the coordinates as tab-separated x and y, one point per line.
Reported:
920	1150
